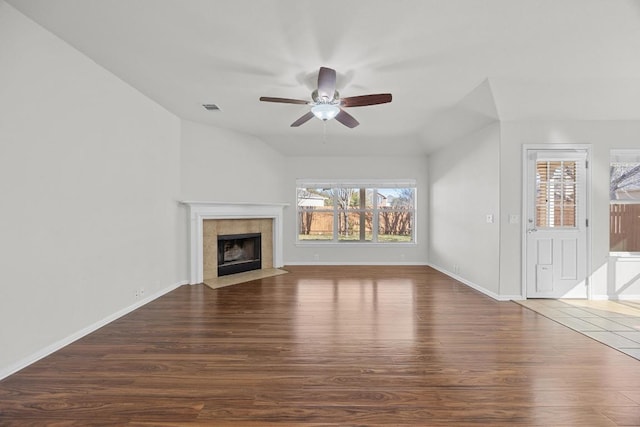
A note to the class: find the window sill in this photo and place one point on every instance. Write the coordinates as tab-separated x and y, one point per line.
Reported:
355	243
624	254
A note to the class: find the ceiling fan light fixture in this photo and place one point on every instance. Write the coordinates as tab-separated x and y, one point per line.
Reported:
327	104
325	111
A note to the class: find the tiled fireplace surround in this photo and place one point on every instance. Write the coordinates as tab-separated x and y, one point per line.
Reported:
208	219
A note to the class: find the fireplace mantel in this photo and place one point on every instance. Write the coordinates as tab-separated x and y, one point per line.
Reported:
202	210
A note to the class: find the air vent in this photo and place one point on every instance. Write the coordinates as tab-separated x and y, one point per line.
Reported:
211	107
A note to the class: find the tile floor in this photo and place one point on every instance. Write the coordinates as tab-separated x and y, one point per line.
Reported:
614	323
247	276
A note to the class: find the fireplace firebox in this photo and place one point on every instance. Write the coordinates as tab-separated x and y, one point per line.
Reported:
238	253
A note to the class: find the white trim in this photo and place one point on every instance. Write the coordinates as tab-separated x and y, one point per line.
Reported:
601	297
230	205
199	211
523	214
32	358
477	287
314	263
631	155
356	183
348	243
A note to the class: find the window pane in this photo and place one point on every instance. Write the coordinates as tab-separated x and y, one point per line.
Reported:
354	225
315	225
625	181
354	202
359	198
315	197
569	193
345	197
396	197
556	194
624	213
569	215
624	227
395	226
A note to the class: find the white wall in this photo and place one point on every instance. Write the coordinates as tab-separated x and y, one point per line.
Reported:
464	177
225	166
611	278
356	168
89	181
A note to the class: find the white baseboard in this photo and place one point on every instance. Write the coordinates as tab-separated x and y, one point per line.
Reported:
615	297
477	287
440	269
21	364
314	263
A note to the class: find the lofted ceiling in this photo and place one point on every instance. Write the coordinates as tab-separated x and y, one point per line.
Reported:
451	65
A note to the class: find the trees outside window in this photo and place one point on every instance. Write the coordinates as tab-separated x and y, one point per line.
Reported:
356	214
396	216
624	194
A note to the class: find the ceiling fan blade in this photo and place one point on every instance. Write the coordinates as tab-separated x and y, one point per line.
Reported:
326	83
347	119
302	120
361	101
282	100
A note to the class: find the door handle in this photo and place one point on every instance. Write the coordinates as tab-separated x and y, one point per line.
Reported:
532	230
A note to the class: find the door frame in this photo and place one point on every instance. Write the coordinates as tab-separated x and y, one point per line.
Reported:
524	208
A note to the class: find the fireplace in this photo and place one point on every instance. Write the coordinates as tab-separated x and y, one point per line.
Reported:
238	253
203	250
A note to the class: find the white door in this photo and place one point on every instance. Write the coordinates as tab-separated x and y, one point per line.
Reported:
556	224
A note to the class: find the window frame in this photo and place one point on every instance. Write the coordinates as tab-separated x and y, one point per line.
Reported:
375	209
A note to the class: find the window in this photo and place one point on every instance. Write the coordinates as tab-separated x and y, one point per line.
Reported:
378	212
556	193
624	195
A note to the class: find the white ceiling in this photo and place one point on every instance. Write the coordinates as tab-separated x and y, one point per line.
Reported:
441	59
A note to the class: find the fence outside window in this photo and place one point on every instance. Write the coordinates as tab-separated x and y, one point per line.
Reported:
349	212
624	194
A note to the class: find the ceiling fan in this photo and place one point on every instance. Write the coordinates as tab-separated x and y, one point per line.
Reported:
326	103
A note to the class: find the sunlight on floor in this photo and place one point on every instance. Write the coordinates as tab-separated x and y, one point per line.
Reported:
631	308
613	323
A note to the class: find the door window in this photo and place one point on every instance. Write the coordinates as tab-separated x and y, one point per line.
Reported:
556	194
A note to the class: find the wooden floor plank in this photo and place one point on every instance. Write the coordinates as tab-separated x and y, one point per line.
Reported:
333	345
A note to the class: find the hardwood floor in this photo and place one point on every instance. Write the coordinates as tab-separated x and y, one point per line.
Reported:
329	346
